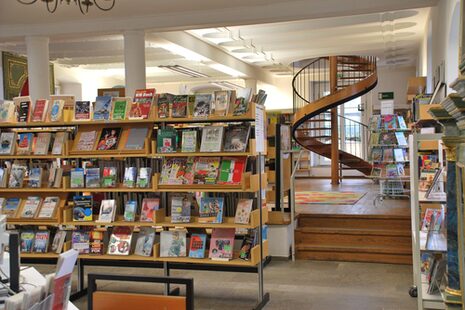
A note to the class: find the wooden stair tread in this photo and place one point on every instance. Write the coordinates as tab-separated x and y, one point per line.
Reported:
356	249
354	231
355	216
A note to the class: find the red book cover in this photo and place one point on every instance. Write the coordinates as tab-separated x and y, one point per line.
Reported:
39	108
239	167
143	99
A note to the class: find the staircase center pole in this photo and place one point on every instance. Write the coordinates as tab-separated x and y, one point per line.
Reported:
334	124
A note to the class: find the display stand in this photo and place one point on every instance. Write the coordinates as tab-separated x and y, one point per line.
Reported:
423	241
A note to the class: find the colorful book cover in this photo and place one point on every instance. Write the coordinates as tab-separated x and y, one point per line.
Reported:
83	206
58	241
38	114
401	120
243	210
120	105
56	110
82	111
42	143
120	241
130	177
109	177
109	139
389	122
374	138
197	245
86	141
130	210
144	242
173	244
177	171
80	241
7	111
222	243
149	206
49	207
377	154
107	211
241	106
211	210
212	139
23	111
136	138
179	106
202	105
77	178
164	102
189	141
96	244
25	143
236	138
140	108
206	170
11	207
180	209
221	103
399	155
7	143
27	241
231	170
166	140
31	206
35	178
388	138
144	178
391	170
388	155
401	138
246	247
376	172
17	174
41	241
93	177
102	108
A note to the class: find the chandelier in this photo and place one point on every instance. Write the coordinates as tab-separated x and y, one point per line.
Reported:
104	5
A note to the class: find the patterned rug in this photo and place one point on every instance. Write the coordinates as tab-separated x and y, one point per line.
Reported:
328	198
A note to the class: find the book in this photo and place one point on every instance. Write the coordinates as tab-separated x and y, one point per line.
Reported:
130	210
401	120
189	141
48	207
141	107
130	177
58	241
246	247
166	140
173	243
401	138
197	245
241	106
236	138
389	122
399	155
202	105
376	172
211	210
120	105
222	243
120	241
136	138
374	138
86	141
56	110
109	177
221	103
179	106
31	206
144	241
206	170
231	170
180	209
388	155
144	178
391	170
27	241
96	244
23	110
77	178
80	241
7	111
17	174
39	111
243	210
375	122
11	206
41	240
93	177
25	143
164	102
7	143
426	179
107	211
35	178
387	138
212	139
42	143
149	206
177	171
82	110
102	108
58	142
82	209
109	139
377	154
3	174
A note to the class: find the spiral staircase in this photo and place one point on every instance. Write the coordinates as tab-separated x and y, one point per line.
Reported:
320	86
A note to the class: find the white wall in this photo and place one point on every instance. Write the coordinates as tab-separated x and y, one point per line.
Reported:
279	95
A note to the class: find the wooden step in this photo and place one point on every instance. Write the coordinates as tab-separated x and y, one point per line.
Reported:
354	221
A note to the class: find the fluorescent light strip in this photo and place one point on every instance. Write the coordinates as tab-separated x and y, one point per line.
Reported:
183	70
225	69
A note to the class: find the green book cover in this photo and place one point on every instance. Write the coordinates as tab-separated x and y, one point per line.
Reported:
225	170
119	109
166	140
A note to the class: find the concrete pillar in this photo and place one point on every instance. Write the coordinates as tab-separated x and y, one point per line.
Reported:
38	67
134	61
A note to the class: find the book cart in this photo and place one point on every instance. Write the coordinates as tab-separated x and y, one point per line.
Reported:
389	157
426	240
253	185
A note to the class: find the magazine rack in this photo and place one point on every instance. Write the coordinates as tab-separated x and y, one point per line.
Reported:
253	184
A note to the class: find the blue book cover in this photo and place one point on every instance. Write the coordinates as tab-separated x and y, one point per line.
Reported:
102	109
197	246
11	206
130	210
211	210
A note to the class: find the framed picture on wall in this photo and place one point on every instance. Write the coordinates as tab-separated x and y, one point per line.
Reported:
113	92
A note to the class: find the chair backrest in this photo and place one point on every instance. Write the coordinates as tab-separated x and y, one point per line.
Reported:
102	300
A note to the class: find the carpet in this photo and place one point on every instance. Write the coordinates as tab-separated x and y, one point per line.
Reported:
328	198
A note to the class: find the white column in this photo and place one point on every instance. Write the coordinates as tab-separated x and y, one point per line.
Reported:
38	67
250	83
134	61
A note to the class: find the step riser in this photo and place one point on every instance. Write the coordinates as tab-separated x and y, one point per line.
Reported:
354	257
352	240
355	223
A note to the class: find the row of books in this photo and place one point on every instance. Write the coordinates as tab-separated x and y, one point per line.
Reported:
388	138
388	171
233	138
20	174
387	122
107	177
110	139
33	207
42	143
388	155
202	170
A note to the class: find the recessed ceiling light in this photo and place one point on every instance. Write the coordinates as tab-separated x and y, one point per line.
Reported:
183	70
